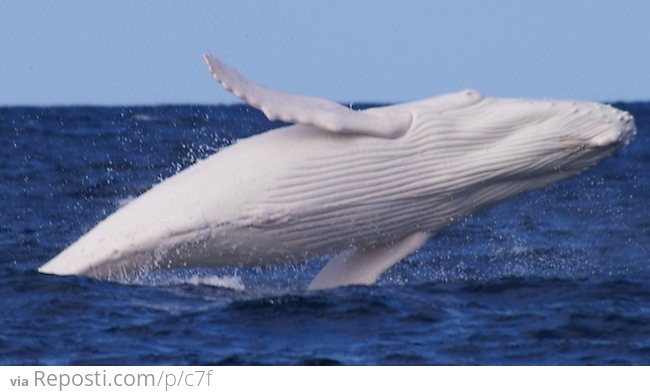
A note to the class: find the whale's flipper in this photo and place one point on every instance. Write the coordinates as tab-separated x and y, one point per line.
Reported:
320	113
363	267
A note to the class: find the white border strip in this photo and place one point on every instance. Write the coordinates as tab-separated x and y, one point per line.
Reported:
307	379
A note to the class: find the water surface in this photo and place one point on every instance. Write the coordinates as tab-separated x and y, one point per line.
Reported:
556	276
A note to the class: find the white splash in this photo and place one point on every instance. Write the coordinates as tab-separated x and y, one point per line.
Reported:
232	282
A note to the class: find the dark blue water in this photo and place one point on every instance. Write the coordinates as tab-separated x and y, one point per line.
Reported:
557	276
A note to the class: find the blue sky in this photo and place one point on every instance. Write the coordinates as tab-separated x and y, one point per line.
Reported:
149	52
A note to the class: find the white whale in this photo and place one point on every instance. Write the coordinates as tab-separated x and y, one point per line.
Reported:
368	187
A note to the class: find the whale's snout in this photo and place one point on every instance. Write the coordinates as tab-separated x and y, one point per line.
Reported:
620	129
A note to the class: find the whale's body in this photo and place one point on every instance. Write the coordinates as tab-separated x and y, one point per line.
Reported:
330	186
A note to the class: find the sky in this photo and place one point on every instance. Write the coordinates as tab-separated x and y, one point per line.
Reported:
149	52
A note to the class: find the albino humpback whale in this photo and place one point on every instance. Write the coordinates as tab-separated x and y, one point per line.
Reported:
367	187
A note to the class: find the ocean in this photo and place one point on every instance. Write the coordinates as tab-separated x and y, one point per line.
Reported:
559	276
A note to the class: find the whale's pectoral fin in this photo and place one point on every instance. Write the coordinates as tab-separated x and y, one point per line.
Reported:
317	112
363	267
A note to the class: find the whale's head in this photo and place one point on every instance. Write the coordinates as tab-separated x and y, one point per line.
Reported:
534	143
